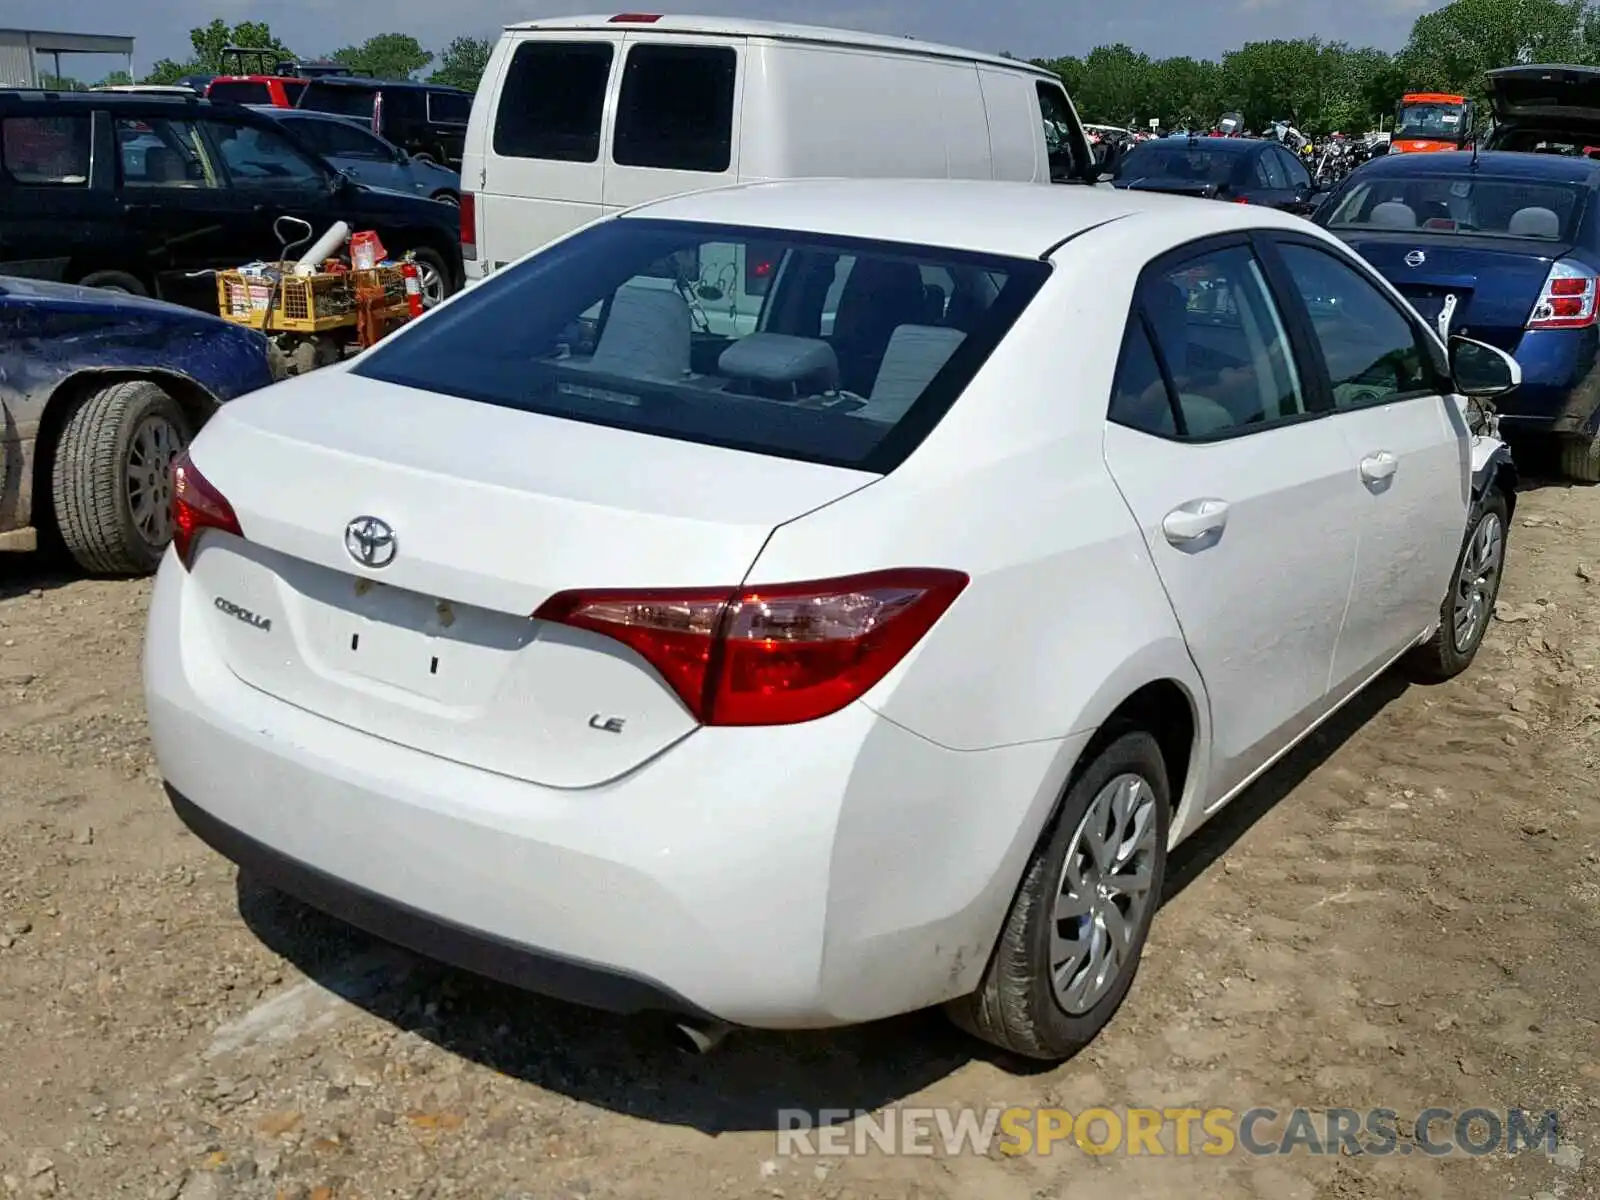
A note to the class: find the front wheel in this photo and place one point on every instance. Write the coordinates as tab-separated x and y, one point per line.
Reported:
1071	944
1467	609
110	481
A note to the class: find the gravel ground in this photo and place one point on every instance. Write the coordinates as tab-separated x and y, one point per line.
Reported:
1406	914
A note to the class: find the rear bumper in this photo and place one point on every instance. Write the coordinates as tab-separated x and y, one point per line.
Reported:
800	876
1560	390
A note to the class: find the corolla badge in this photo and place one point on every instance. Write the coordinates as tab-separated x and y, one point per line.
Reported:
370	541
1416	258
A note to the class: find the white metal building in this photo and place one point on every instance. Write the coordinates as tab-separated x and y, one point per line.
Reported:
28	55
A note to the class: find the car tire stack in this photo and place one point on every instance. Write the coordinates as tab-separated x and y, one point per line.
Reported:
110	481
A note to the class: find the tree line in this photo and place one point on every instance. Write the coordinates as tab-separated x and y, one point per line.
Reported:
1318	85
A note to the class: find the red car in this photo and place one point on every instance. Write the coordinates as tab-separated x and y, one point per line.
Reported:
280	91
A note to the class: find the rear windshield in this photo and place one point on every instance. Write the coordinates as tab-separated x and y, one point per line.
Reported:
346	101
1478	206
1156	160
241	91
825	350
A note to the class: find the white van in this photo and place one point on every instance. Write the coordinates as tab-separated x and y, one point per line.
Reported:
577	117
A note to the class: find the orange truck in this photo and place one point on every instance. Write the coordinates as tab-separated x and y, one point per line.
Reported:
1427	121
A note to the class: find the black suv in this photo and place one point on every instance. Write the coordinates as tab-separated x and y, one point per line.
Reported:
425	120
146	193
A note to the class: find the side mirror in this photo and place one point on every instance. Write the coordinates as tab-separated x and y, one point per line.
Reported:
1378	148
1482	371
401	156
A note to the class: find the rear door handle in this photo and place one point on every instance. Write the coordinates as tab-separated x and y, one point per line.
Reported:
1377	467
1189	523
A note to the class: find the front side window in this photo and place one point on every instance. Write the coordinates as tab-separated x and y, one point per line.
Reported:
259	158
1223	344
1271	172
641	325
1371	350
343	140
675	112
46	150
552	101
1058	142
162	153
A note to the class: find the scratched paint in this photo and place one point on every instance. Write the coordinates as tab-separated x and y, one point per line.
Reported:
51	333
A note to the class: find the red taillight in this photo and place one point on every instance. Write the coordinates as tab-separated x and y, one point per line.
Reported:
196	505
636	18
1241	200
1568	299
469	226
773	655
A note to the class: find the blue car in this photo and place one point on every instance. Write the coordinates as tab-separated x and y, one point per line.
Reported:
98	392
1503	247
350	147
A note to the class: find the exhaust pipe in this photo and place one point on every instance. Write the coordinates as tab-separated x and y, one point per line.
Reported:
698	1037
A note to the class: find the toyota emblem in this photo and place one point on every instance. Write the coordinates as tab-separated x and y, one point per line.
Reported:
370	542
1416	258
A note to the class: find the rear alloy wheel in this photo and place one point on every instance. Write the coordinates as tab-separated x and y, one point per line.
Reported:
1465	614
1071	944
111	480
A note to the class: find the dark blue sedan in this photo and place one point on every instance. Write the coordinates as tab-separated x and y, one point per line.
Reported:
98	391
1243	170
1503	247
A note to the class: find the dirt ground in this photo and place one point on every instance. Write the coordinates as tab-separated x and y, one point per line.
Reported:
1405	915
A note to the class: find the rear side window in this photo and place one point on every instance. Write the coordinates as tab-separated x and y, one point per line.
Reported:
240	91
641	325
676	109
446	108
45	150
552	101
1222	344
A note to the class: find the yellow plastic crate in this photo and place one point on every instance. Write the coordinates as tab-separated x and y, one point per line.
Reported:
305	304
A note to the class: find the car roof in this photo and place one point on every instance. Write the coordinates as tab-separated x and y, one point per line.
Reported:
1015	220
357	83
1220	144
777	30
1497	164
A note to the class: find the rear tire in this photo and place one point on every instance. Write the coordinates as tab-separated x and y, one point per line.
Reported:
438	284
1020	1006
114	281
1468	607
110	482
1580	459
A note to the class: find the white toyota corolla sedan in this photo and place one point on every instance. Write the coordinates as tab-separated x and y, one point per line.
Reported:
800	603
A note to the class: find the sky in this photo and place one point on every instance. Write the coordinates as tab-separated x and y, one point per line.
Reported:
1027	28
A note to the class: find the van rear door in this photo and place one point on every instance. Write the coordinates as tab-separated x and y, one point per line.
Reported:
677	118
545	125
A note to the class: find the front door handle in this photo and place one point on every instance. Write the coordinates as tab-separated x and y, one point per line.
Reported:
1189	523
1378	467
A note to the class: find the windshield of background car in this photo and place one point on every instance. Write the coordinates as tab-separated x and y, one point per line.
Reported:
1481	207
1436	121
827	350
1161	160
346	101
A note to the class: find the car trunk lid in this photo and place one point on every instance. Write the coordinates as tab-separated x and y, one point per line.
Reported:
1495	281
492	511
1566	94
